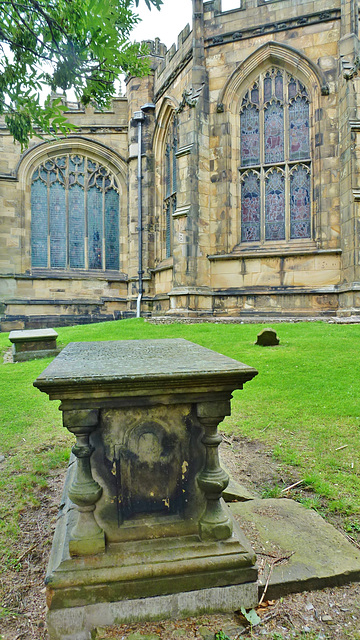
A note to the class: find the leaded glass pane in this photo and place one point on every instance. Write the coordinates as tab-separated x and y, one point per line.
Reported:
299	129
250	136
167	171
39	224
255	95
57	226
267	89
250	208
275	206
292	89
300	209
174	150
168	228
76	227
279	86
95	227
274	133
112	229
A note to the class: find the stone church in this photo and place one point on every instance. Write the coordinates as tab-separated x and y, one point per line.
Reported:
225	183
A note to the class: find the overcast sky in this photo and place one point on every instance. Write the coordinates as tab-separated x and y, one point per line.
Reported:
165	24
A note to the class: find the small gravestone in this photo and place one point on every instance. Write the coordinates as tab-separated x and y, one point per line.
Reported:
33	343
267	338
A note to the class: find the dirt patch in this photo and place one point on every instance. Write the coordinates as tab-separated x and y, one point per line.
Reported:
329	614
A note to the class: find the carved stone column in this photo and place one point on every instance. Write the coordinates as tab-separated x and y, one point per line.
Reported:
86	538
215	523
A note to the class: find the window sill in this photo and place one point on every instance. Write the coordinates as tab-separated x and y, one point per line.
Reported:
60	274
168	263
285	252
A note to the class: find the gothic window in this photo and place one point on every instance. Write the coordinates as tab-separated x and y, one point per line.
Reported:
170	182
275	168
74	215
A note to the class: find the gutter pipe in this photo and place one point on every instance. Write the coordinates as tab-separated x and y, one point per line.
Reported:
139	117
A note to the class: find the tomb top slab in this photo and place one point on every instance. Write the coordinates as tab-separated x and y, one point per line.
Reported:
138	364
32	335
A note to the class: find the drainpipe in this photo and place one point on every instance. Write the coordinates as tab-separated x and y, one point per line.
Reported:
138	118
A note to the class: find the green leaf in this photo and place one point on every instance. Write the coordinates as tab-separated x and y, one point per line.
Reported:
251	616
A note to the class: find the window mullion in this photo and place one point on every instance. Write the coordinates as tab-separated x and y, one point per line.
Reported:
262	160
262	204
86	224
48	218
287	170
67	230
103	261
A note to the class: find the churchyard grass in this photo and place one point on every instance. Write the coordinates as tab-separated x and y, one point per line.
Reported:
304	405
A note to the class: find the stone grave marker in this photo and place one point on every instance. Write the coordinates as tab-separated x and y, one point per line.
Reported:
29	344
267	338
143	531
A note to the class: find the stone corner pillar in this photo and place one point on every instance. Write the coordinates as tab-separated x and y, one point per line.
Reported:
86	538
215	523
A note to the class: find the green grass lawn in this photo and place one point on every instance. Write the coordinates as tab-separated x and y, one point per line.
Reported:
304	404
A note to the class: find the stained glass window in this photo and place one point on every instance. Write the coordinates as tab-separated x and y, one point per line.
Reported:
170	182
74	215
250	197
299	144
250	136
300	208
39	222
275	142
274	132
275	206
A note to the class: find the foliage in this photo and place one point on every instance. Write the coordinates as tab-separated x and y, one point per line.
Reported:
80	44
251	616
220	635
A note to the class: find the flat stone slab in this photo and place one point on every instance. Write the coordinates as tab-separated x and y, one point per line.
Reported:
276	528
140	367
33	343
32	335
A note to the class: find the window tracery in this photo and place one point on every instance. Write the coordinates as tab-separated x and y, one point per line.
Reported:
74	215
170	182
275	169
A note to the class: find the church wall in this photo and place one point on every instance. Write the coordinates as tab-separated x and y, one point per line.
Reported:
312	29
209	269
64	298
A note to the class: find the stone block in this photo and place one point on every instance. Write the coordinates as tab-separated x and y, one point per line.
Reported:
151	535
35	343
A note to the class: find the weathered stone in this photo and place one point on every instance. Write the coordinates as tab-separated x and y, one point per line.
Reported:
267	338
150	520
316	555
34	343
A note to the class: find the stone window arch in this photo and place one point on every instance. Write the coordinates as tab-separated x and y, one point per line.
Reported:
75	214
275	159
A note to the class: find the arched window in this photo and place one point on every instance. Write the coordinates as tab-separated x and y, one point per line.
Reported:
74	215
170	181
275	163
